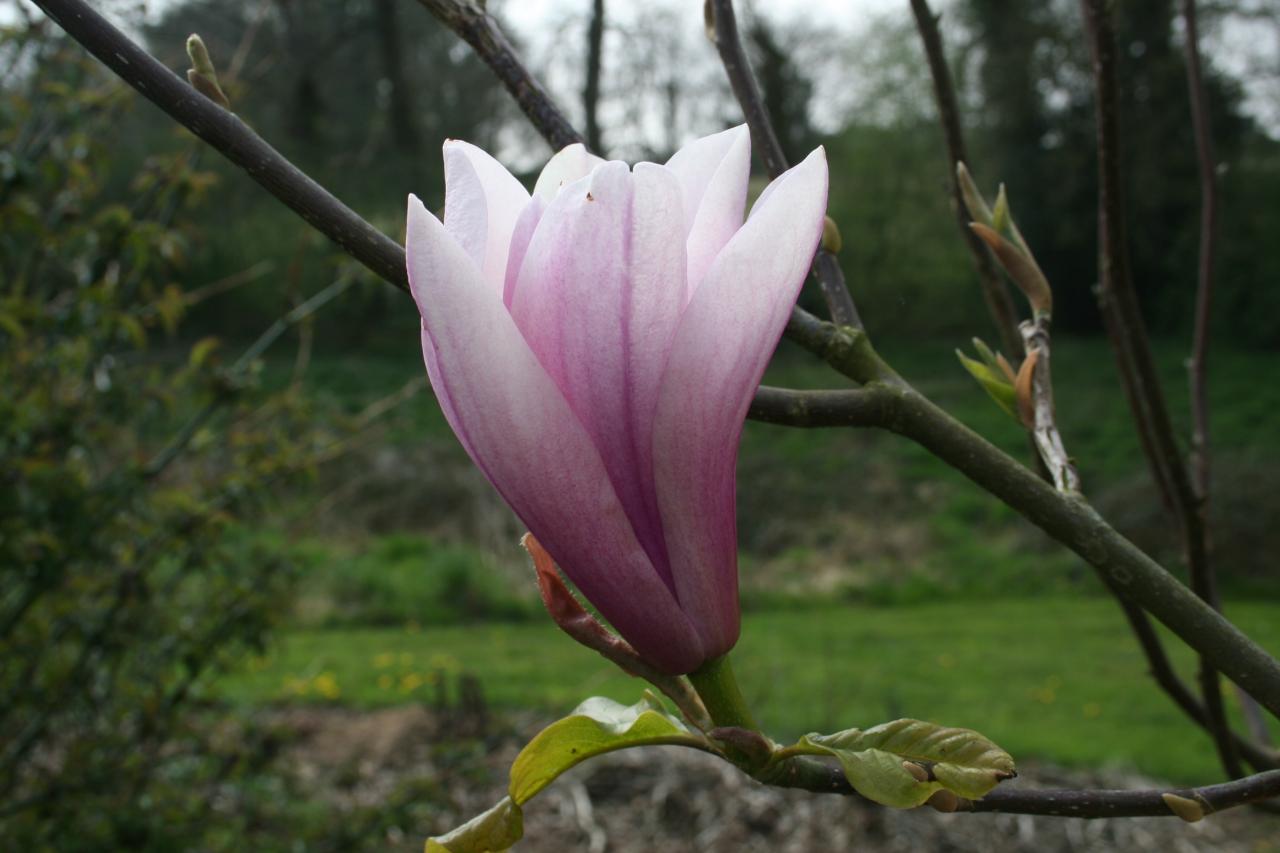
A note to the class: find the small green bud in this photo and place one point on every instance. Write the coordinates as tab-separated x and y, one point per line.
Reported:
973	200
994	380
831	239
1000	216
1187	809
202	76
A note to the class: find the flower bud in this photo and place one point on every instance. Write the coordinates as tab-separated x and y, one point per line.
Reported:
201	75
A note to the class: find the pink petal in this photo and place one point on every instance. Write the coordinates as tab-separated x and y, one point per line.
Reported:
565	166
520	237
726	336
713	173
519	430
598	299
481	204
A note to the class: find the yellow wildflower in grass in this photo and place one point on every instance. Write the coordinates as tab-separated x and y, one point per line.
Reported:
326	685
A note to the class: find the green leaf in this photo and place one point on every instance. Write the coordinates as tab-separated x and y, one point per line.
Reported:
597	726
995	384
985	353
490	832
962	761
202	349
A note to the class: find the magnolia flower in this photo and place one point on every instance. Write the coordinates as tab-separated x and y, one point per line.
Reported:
595	347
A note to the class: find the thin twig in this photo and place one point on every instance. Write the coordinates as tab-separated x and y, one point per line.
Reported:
162	460
254	272
1129	339
1258	755
764	139
1198	364
995	292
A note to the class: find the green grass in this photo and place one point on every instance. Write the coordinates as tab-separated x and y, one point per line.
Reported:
1051	679
809	499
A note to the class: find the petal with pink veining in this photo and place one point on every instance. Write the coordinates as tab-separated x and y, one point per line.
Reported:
726	336
598	299
713	173
520	431
481	204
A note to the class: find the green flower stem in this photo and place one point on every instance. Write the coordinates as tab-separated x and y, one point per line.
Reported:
718	688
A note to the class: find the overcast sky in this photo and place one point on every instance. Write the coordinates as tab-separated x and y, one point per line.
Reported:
1247	50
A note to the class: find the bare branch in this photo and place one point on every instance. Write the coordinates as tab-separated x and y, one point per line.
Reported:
723	27
1198	364
1072	521
591	89
1167	679
1129	339
844	408
999	301
477	28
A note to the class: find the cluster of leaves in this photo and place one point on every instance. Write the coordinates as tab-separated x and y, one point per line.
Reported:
901	764
126	462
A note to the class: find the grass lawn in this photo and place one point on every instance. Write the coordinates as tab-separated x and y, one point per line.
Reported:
1058	679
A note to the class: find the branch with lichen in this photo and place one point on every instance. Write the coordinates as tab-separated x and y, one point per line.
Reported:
1033	383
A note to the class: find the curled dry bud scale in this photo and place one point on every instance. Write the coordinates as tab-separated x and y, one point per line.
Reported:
595	347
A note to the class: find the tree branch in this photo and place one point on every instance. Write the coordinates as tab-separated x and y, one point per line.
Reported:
1258	756
591	89
232	138
858	407
1198	364
1119	303
1188	803
999	300
477	28
1072	521
723	27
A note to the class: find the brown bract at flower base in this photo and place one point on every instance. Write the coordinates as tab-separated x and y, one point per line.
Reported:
574	619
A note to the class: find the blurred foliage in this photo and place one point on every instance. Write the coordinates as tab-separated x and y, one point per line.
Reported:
405	579
360	95
1034	118
127	462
